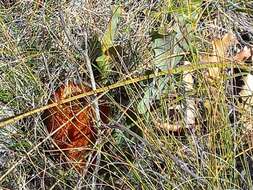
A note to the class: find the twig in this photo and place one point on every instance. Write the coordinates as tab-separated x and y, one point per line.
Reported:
118	84
84	53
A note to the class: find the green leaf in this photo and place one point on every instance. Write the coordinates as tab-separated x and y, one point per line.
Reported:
110	33
161	46
5	96
152	93
104	61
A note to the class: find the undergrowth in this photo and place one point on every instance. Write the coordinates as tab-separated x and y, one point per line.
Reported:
42	45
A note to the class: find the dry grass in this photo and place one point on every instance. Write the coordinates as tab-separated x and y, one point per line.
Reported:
39	52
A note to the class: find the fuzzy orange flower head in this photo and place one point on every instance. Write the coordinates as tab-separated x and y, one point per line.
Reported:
73	123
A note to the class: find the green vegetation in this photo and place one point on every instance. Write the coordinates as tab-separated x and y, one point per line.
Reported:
43	44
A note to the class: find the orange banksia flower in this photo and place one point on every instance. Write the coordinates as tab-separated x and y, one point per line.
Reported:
74	123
